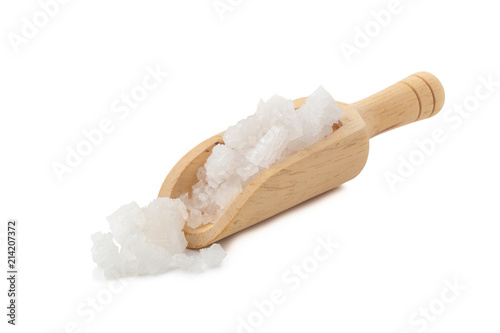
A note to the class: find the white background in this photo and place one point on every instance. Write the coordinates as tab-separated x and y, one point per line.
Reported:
397	247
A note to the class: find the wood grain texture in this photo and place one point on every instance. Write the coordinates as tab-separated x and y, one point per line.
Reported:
318	168
417	97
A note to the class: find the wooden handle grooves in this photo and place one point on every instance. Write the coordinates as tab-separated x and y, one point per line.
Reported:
417	97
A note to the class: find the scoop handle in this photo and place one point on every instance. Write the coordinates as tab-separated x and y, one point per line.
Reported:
417	97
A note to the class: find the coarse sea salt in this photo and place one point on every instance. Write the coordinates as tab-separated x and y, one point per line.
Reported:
150	240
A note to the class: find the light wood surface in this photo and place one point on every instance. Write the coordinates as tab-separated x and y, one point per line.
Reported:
318	168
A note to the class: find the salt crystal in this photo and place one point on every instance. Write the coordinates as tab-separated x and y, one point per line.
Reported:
227	192
269	148
128	219
244	134
220	164
165	219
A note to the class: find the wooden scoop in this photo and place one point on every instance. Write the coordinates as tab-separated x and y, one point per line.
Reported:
320	167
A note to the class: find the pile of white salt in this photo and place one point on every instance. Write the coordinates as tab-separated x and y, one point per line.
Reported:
150	240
